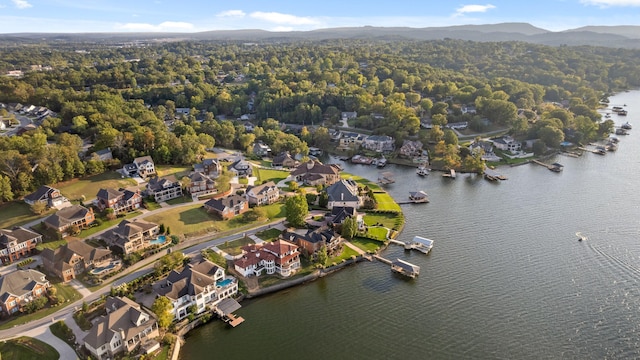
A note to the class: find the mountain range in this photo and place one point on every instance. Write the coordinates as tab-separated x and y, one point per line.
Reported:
608	36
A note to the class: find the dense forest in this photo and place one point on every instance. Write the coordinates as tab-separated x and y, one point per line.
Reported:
121	97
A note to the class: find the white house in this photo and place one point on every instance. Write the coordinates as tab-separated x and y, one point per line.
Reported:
379	143
279	257
507	143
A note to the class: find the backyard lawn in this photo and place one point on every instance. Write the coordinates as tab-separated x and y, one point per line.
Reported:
186	220
365	182
271	174
106	224
275	211
89	186
269	234
16	213
26	348
386	202
178	171
368	245
389	220
378	233
235	247
346	254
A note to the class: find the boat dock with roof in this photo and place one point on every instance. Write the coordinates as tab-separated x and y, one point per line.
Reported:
225	308
405	268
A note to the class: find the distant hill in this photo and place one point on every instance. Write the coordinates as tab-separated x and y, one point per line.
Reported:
608	36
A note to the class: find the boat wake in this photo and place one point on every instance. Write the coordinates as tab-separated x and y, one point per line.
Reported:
619	263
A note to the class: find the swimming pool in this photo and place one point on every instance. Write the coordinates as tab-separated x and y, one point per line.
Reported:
224	282
159	240
102	269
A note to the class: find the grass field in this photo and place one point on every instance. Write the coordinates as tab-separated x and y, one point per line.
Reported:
362	181
180	200
26	348
269	234
271	174
234	247
89	186
106	224
378	233
16	213
275	211
384	219
346	254
386	202
368	245
186	219
178	171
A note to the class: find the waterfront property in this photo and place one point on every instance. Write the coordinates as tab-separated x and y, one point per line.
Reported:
201	284
125	327
74	258
20	287
311	241
405	268
278	257
132	235
314	173
344	193
17	243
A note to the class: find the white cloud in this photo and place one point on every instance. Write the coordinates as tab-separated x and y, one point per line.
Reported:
231	13
21	4
165	26
474	9
279	18
609	3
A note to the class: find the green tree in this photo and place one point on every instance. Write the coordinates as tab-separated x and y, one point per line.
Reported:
322	256
6	194
349	228
296	209
162	308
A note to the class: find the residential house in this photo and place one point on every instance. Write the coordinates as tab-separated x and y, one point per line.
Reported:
209	167
379	143
17	243
200	284
48	195
314	173
103	154
344	193
335	135
507	143
183	111
411	148
351	140
141	166
121	201
227	207
284	160
311	241
132	235
125	326
260	149
340	213
74	215
265	194
240	168
201	185
73	259
457	125
248	126
468	109
486	147
348	115
278	257
20	287
164	188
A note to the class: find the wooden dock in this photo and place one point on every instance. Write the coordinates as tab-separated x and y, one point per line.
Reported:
233	320
556	167
493	175
381	259
451	174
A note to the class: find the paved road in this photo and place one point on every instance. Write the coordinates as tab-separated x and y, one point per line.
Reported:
189	247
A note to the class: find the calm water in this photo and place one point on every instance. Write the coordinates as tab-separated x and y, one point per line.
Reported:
507	277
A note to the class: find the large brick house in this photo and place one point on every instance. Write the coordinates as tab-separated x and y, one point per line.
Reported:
279	257
47	195
201	185
164	188
17	243
74	258
74	215
132	235
227	207
121	201
21	287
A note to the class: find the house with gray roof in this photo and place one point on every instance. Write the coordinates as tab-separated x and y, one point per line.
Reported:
132	235
261	149
201	184
313	172
73	258
120	200
141	166
201	284
379	143
74	215
48	195
125	326
227	207
241	168
312	240
344	193
21	287
17	242
209	167
284	160
164	188
265	194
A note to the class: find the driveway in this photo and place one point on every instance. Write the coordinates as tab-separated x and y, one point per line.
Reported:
45	335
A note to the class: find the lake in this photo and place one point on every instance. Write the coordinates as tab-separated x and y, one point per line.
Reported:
507	277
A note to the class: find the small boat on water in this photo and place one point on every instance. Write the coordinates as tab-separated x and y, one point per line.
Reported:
581	237
418	197
621	131
422	170
622	113
626	126
381	162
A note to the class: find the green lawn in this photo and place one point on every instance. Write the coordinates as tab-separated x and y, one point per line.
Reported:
346	254
89	186
26	348
163	354
368	245
385	219
151	205
63	332
365	182
378	233
243	181
234	247
178	171
16	213
269	234
180	200
275	211
187	219
270	175
215	257
67	293
51	245
386	202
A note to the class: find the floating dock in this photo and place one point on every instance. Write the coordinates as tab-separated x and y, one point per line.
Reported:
386	178
416	197
493	175
451	174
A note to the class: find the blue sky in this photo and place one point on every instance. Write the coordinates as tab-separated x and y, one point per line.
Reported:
284	15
